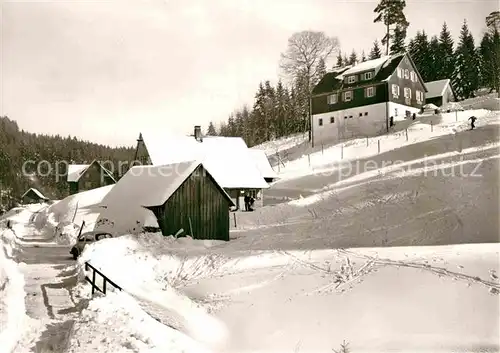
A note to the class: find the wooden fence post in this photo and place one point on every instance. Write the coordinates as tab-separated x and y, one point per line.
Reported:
342	151
432	126
366	141
406	134
378	144
309	159
234	216
322	150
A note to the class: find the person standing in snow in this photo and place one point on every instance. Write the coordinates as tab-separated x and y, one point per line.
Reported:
472	121
246	199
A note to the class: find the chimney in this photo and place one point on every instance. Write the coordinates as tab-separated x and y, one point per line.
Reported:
197	133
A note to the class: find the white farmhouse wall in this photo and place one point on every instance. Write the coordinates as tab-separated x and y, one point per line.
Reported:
369	120
398	111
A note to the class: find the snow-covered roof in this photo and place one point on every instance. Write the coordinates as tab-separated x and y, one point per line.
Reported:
260	158
436	88
148	186
374	64
226	158
141	187
75	170
37	193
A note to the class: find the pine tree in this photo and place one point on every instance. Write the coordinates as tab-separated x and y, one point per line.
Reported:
375	53
435	66
340	61
211	129
466	76
390	13
420	53
398	40
363	56
320	71
489	52
346	60
353	58
446	62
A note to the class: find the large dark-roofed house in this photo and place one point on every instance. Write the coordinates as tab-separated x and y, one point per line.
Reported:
361	100
181	195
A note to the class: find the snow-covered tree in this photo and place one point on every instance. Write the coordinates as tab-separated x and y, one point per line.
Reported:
466	75
398	40
375	53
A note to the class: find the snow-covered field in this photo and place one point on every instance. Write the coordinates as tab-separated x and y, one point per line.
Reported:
443	124
185	295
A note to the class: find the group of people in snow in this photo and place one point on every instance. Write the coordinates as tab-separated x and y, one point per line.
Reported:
249	201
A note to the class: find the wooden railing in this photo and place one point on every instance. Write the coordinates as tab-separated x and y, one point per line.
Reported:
104	279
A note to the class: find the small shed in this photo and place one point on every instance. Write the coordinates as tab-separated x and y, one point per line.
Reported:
84	177
439	93
181	195
33	196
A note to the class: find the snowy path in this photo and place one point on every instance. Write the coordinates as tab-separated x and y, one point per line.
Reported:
48	297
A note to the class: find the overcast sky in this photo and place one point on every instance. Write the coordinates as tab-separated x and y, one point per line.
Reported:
106	70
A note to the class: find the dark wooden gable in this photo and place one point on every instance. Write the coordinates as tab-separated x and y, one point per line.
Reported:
199	206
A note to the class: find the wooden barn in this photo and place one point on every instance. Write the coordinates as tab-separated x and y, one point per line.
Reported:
182	196
33	196
235	167
84	177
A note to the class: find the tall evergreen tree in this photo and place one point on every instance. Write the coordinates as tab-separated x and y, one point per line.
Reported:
363	56
489	52
391	13
446	60
320	71
353	58
466	77
375	53
435	66
211	131
346	59
420	53
340	60
398	40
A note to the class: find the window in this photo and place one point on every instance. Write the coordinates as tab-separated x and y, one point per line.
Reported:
350	116
366	113
407	95
320	122
332	98
368	75
351	79
413	76
332	120
369	92
345	117
407	73
395	91
420	96
347	96
400	72
360	114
